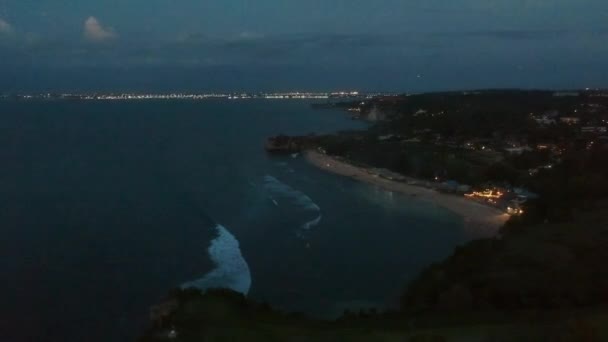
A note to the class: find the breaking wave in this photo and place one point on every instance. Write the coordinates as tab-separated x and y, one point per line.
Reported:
282	192
310	224
231	272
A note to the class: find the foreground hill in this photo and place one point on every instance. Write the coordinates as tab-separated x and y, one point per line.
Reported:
226	316
551	266
544	282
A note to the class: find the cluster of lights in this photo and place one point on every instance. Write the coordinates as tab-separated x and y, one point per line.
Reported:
491	196
201	96
515	211
488	194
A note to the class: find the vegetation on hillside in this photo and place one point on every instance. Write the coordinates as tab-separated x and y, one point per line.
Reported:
220	315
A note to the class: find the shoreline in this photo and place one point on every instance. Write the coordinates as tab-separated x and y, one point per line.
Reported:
477	216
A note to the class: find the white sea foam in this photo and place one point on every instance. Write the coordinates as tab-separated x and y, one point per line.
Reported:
310	224
286	193
231	271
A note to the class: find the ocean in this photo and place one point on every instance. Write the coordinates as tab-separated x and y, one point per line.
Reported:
106	206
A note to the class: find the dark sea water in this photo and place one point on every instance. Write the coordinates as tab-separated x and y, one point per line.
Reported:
105	206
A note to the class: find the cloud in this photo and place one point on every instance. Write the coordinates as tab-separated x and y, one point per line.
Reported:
95	32
512	34
247	35
5	27
321	49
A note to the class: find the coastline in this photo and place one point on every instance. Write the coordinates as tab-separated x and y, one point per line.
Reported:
477	216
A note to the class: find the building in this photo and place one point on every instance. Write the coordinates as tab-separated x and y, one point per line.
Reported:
544	120
490	195
390	137
594	129
565	93
570	120
517	150
420	112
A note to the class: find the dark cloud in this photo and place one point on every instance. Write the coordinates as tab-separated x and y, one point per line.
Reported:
250	48
517	34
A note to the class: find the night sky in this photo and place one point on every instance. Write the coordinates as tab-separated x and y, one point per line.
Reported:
401	45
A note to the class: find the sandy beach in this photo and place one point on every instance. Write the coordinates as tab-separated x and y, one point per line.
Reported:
482	218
